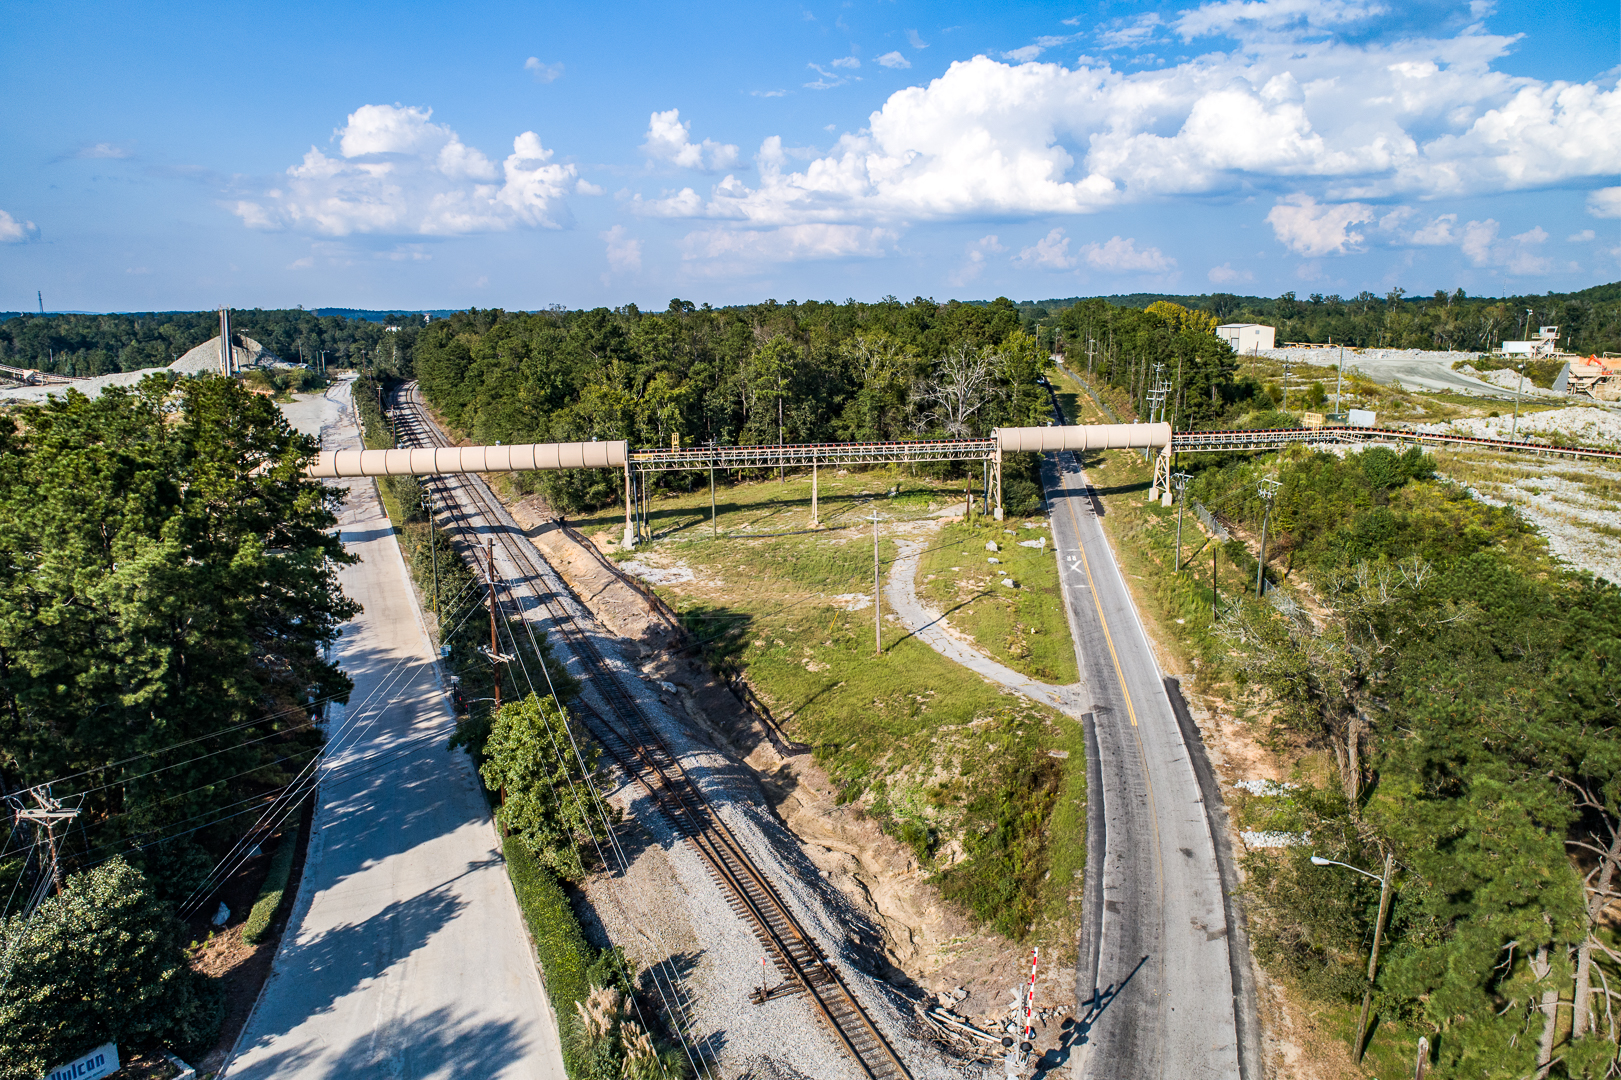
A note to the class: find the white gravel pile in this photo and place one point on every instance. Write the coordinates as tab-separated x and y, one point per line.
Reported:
1323	357
1509	379
205	357
1589	424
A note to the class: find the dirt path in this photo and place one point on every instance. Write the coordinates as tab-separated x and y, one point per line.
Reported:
927	943
930	627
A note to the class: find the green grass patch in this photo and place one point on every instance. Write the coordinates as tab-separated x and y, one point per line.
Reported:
1023	627
904	735
273	893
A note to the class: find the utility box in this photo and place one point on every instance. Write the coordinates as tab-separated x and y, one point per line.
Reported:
1361	418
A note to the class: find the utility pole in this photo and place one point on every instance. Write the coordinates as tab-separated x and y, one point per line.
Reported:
1215	552
1518	387
46	816
1269	492
1286	384
433	553
495	648
1373	957
1339	379
877	607
1179	483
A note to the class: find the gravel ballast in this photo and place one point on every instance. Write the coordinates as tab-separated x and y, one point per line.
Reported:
666	905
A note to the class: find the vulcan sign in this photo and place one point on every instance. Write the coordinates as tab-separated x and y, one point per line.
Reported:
102	1061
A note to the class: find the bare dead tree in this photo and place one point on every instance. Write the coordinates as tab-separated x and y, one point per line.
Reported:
964	382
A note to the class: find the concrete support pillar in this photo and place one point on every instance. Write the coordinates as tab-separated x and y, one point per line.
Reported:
998	479
630	528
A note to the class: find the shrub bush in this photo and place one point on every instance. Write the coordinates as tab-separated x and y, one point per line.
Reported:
101	961
273	893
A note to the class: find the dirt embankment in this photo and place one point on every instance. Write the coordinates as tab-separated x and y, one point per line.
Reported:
929	942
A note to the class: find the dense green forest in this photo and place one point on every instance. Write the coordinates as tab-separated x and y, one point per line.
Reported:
796	373
167	591
1589	321
1453	697
102	344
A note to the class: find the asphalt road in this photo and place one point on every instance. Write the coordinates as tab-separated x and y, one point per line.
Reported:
405	955
1154	958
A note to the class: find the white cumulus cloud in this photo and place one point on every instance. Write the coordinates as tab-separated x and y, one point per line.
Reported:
1122	255
974	262
1605	202
1051	252
668	139
894	60
624	251
1226	274
1307	228
543	72
1583	237
1344	121
398	173
792	243
1516	254
13	231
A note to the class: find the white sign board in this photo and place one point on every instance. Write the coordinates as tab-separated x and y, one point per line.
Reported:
1360	418
102	1061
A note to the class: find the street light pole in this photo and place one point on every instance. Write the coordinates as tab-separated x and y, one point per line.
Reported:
1378	934
1519	387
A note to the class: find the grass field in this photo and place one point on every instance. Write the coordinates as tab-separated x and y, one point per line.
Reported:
986	786
1023	627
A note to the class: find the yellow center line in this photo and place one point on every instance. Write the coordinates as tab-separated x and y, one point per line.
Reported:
1125	692
1107	637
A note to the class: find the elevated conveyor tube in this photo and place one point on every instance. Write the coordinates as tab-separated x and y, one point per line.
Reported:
522	457
1084	437
1087	437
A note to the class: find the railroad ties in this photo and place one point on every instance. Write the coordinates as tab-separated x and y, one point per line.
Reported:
630	738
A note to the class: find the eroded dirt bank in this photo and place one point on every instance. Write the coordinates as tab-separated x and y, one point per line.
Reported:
930	947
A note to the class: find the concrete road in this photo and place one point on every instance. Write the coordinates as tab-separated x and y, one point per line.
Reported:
1154	958
405	955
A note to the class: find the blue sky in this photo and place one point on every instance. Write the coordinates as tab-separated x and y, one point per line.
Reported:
164	156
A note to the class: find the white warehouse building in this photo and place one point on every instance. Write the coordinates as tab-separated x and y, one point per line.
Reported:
1247	337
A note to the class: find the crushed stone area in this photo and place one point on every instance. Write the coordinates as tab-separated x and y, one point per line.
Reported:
872	894
205	357
1414	369
1590	424
1572	517
1511	381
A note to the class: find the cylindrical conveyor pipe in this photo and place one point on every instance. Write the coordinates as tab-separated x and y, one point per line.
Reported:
1084	437
522	457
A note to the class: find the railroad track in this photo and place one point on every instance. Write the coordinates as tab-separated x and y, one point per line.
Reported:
632	741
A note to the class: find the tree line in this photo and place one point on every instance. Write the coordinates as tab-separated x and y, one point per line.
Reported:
167	593
83	345
1458	691
1589	321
